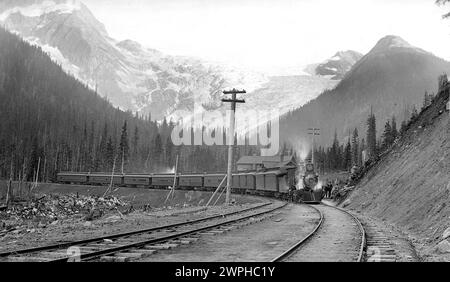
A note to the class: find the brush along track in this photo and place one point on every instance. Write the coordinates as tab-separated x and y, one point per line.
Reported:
339	236
126	246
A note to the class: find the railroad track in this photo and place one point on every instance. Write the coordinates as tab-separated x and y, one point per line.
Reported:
138	244
382	246
379	249
338	236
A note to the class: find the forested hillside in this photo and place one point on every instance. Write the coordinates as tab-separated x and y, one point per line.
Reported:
391	80
409	186
51	122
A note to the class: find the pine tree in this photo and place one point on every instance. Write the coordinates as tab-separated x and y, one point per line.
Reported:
135	143
362	148
414	113
371	136
124	148
335	156
34	160
394	131
169	152
403	127
110	155
348	156
355	147
426	100
157	151
442	81
102	146
387	135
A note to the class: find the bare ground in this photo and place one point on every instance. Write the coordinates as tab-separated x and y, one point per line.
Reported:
33	234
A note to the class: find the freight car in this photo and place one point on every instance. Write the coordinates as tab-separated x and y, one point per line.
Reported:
271	182
135	180
75	178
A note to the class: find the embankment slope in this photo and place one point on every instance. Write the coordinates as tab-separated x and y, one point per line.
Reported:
410	186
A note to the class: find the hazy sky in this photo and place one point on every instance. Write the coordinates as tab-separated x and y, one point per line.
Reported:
273	34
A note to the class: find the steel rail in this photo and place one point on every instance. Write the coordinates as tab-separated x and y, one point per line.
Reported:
302	241
98	254
305	239
361	230
120	235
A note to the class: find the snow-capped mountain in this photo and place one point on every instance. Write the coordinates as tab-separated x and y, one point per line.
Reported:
337	66
388	81
130	75
142	79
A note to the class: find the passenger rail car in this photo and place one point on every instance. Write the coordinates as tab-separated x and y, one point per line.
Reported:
274	182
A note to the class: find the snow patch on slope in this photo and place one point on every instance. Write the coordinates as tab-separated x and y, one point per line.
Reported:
56	56
37	10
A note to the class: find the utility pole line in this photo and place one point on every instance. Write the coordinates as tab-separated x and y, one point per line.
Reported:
172	191
233	102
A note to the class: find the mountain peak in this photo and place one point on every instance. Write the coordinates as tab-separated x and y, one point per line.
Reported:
337	66
391	41
36	8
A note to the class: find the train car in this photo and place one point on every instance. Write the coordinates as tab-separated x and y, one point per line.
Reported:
72	177
267	183
213	180
287	179
235	182
247	181
163	180
105	179
271	181
283	183
190	181
259	181
135	180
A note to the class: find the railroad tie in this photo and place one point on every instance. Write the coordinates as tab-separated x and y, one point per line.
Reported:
207	233
218	231
132	255
161	246
183	242
55	255
190	239
379	249
145	252
114	259
28	259
109	245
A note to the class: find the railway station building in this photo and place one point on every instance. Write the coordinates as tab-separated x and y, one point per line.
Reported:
255	163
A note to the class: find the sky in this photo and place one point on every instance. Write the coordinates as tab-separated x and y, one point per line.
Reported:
273	36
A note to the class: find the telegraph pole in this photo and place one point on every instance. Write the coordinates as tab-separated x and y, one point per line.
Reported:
233	102
314	132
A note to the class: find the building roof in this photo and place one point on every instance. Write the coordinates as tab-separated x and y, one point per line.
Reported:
267	161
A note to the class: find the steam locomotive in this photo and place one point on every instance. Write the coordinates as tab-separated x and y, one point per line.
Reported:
278	182
310	192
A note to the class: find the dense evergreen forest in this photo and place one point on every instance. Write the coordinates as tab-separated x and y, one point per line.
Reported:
51	122
359	150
